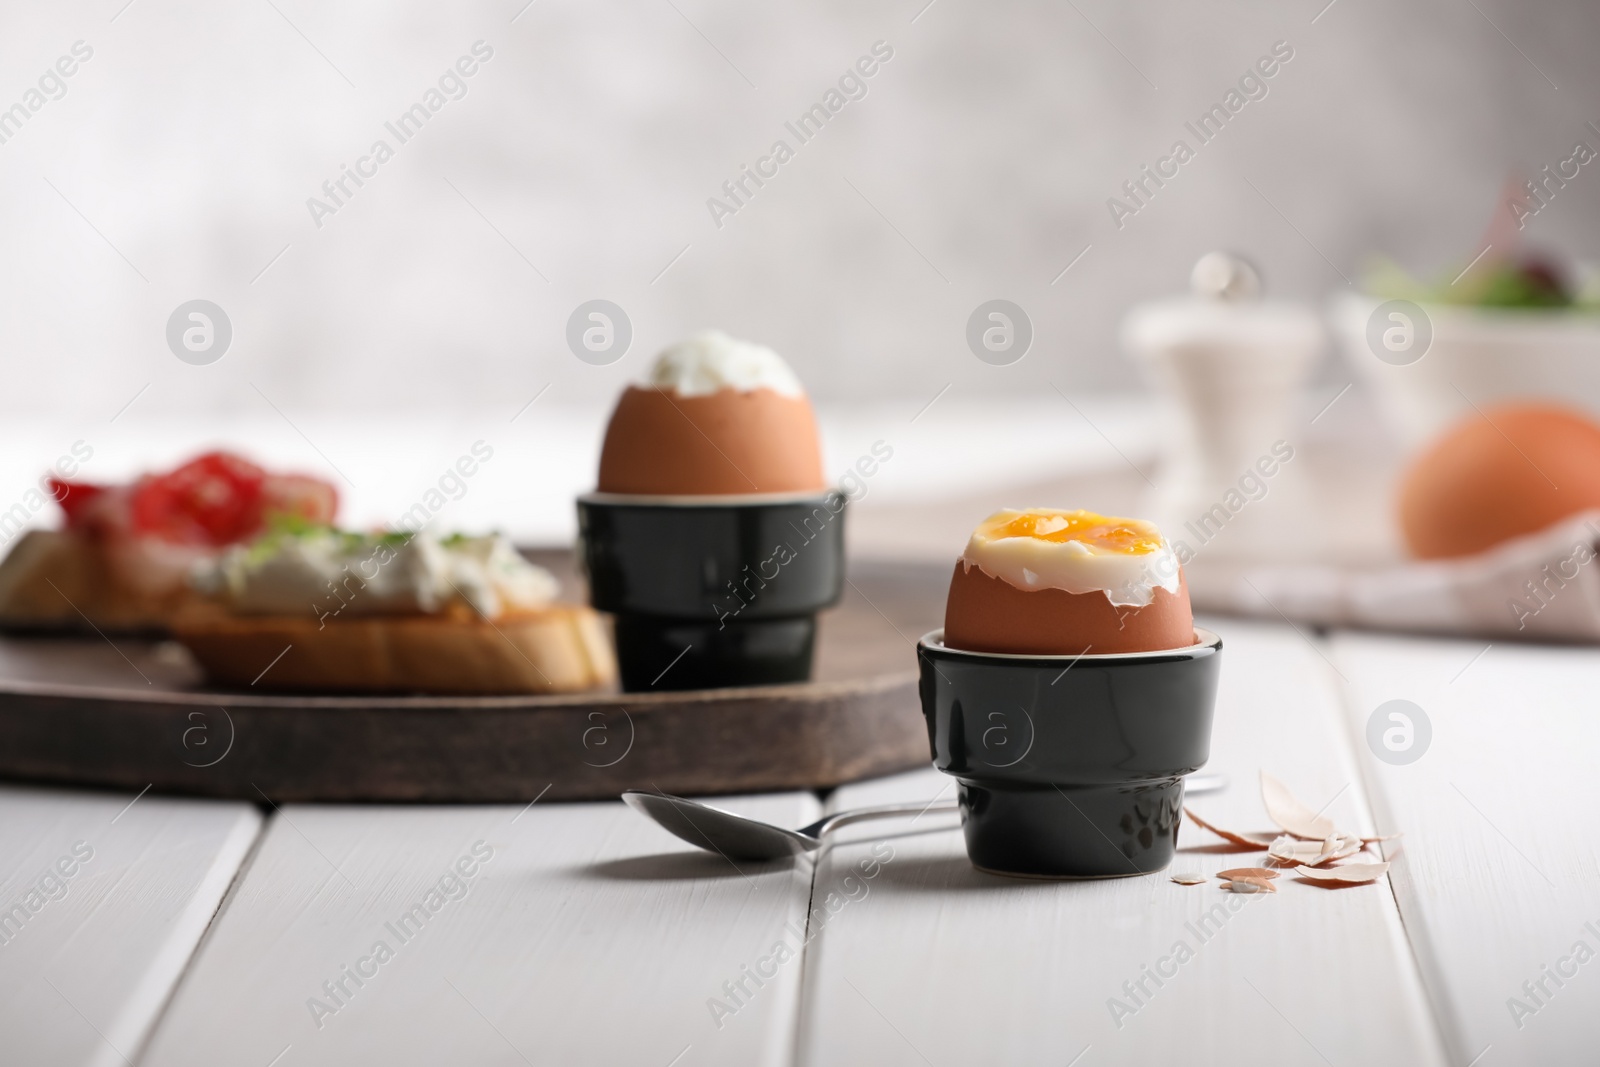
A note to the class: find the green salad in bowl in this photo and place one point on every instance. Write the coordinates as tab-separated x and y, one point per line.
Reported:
1510	325
1526	281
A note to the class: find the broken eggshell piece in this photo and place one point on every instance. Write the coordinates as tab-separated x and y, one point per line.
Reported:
1345	873
1285	809
1248	840
1312	845
1249	885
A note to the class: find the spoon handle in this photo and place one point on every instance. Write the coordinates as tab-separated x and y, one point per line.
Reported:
1198	783
829	823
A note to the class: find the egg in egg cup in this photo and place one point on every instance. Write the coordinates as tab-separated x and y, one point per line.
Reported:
1068	694
713	537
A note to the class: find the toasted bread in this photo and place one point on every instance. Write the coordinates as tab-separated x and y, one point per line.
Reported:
60	580
560	649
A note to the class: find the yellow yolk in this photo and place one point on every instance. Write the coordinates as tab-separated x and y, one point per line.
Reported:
1128	537
1078	551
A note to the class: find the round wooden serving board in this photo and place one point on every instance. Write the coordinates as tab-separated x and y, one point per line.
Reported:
128	713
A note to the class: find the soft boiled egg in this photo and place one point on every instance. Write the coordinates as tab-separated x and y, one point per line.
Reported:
1045	581
1505	471
717	416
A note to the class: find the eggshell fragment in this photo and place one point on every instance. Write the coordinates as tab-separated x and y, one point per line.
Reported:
1337	847
1344	874
1250	885
1292	851
1288	850
1302	852
1285	809
1250	840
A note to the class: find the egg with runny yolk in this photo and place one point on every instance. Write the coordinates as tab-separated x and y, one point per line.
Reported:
1048	581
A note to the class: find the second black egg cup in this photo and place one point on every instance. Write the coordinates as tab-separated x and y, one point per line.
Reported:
715	591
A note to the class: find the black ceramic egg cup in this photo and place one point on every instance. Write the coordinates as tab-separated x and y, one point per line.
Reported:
1070	766
712	592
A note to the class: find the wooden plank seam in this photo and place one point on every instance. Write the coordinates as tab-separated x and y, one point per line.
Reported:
736	994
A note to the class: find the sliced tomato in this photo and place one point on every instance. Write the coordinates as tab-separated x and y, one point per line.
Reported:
214	499
76	500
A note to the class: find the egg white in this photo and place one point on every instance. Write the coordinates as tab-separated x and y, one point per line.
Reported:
709	361
1030	563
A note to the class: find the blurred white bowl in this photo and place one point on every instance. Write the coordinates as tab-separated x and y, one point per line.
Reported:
1478	356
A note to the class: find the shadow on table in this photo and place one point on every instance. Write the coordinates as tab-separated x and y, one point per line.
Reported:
682	866
948	873
677	867
1219	848
929	864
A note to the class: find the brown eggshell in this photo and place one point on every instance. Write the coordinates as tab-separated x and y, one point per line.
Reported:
988	614
726	442
1512	470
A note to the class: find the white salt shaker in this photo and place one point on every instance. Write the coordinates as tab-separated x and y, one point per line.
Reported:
1230	368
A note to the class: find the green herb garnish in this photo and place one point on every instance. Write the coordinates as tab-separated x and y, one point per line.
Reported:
1521	283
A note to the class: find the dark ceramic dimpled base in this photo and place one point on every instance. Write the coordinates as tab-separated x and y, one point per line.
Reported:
713	592
1070	767
651	652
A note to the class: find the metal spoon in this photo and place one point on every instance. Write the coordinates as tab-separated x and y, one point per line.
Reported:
739	838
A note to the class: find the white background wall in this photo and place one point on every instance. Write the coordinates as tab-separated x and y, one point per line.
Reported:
991	141
179	163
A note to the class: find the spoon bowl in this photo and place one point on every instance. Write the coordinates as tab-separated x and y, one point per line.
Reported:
715	830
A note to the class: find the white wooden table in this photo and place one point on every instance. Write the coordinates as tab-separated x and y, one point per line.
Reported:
203	933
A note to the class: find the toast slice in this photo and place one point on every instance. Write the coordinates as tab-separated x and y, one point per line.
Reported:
560	649
60	580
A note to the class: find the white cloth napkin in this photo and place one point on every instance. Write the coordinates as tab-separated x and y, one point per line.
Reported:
1545	586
